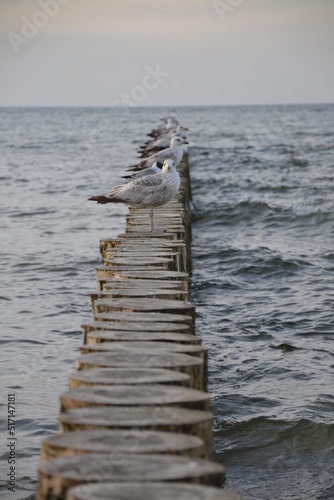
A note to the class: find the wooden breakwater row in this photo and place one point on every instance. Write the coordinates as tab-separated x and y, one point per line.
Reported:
136	420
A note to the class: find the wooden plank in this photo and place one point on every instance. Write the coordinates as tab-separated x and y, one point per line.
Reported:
141	306
146	284
103	305
98	336
145	317
161	210
176	231
138	222
124	251
112	283
121	442
156	236
149	491
123	239
165	212
174	258
152	274
110	271
146	274
129	395
167	215
128	326
170	222
146	346
128	292
184	363
151	347
164	418
57	476
127	241
162	262
148	248
128	376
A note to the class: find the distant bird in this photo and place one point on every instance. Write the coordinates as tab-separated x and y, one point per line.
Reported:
171	122
174	152
146	192
155	169
179	129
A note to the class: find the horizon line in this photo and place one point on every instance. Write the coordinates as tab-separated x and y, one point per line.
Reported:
101	106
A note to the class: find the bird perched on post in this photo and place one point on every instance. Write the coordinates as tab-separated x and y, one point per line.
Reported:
171	122
174	152
146	192
162	142
155	169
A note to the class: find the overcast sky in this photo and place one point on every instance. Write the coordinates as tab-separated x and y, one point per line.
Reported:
166	52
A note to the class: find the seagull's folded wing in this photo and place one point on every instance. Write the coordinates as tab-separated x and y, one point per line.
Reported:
160	157
142	190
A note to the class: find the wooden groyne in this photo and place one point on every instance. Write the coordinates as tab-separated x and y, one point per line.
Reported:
135	422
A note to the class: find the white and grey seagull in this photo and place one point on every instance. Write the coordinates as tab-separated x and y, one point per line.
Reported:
146	192
171	122
174	152
155	169
162	141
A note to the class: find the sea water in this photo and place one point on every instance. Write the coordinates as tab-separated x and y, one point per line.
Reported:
262	277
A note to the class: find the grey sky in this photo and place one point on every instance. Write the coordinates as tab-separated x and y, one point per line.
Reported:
95	52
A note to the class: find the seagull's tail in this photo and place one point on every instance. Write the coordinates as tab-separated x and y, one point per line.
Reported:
134	168
101	199
108	197
149	152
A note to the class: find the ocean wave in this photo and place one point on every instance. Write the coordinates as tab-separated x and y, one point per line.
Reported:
32	213
273	264
261	431
273	448
257	212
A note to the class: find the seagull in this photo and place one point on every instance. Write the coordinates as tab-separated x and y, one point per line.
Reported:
179	129
162	142
171	122
174	152
146	192
155	169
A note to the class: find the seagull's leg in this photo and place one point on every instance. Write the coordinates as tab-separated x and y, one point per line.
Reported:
151	220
